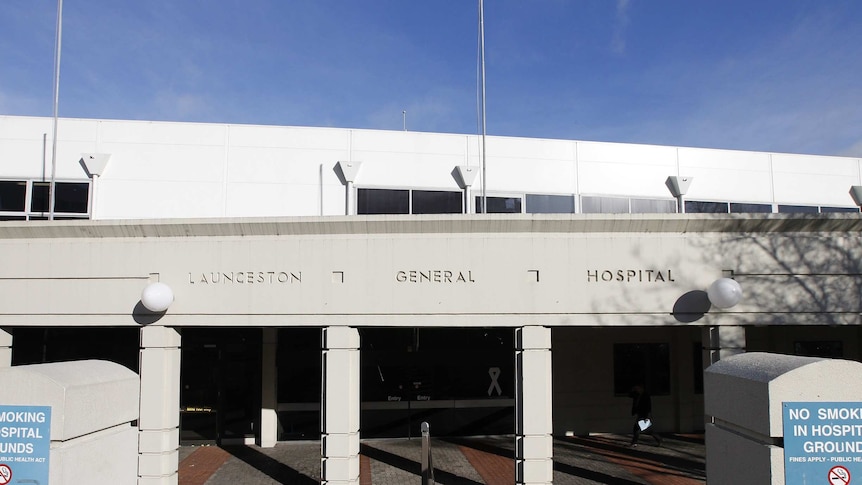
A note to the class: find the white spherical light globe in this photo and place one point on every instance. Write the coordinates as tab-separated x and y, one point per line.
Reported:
724	293
157	297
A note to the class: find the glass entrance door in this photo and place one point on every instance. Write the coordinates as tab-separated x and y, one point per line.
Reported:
220	393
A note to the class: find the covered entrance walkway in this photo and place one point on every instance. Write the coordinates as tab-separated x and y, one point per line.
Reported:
593	460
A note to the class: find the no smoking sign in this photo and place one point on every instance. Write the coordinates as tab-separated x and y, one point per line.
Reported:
839	475
5	474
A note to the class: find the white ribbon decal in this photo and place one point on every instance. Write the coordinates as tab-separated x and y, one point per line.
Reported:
494	372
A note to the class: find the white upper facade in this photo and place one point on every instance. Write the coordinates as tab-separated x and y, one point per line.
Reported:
161	170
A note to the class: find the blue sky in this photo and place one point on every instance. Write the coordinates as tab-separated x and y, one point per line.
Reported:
774	75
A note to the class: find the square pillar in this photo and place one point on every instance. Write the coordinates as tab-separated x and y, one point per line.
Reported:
534	446
340	407
269	389
158	425
5	348
720	342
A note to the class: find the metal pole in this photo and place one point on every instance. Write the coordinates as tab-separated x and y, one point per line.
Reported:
484	130
57	46
427	461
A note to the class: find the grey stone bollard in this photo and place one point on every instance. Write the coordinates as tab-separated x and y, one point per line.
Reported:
93	405
744	397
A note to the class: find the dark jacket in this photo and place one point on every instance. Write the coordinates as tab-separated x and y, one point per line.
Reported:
641	405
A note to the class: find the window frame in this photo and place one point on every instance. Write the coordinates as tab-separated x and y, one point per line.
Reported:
32	186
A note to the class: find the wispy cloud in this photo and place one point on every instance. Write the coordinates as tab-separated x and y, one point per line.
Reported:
621	23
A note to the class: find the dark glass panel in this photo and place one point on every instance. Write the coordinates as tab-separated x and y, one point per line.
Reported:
828	210
550	204
39	197
797	209
13	195
646	364
437	202
500	205
700	207
382	201
820	348
738	208
72	197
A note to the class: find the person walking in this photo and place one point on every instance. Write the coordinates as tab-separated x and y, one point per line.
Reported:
642	412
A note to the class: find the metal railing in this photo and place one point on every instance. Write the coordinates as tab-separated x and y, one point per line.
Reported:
427	459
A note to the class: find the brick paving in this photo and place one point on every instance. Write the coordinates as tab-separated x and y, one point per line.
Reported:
598	459
200	464
494	469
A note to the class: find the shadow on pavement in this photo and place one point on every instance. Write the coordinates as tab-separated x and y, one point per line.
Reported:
694	468
591	475
411	466
488	446
271	467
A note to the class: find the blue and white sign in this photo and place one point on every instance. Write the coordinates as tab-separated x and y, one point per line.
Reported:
25	444
822	443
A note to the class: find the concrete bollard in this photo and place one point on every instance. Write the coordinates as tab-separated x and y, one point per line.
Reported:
745	400
74	423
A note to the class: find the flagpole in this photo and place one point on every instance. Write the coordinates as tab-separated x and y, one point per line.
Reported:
484	130
57	45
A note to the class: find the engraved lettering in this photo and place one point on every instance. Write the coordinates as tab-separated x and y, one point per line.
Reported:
245	277
630	276
439	276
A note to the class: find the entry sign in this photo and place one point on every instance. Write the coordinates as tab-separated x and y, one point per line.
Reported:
25	444
822	443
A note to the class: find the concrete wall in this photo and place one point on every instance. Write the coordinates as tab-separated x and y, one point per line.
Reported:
493	272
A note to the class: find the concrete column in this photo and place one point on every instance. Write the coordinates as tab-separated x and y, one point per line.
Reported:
720	342
159	433
5	348
269	389
340	406
533	406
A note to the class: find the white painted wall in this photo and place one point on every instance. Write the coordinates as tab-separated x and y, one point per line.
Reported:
192	170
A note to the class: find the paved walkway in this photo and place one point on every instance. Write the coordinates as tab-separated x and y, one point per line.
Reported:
597	459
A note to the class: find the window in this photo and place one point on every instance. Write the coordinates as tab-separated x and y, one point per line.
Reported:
826	210
701	207
437	202
820	348
550	204
30	200
653	206
405	201
71	197
13	195
39	197
646	363
500	205
604	205
382	201
738	208
625	205
797	209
